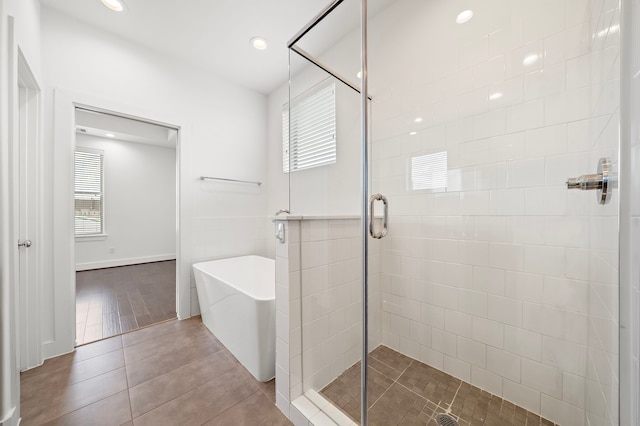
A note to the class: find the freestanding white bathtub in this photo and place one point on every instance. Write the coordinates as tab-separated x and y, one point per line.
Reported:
237	304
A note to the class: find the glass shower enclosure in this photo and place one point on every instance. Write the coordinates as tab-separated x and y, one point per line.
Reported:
452	173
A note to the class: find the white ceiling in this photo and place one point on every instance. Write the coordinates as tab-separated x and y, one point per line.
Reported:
212	34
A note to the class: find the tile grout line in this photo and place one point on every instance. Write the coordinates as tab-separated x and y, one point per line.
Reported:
126	378
146	358
91	403
400	384
394	382
448	409
177	396
229	408
427	400
70	367
186	392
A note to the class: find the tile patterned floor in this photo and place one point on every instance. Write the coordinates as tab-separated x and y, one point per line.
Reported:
403	391
116	300
172	373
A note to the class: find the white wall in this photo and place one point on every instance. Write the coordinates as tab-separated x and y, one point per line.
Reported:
26	37
226	124
328	190
140	205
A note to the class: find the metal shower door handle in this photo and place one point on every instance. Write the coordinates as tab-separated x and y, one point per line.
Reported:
598	182
372	200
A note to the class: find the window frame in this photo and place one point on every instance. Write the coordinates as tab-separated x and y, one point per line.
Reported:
102	234
326	85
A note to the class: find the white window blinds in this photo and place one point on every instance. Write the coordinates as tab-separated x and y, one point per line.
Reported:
429	171
312	141
89	202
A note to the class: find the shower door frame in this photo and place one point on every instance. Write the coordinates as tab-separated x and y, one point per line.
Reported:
364	144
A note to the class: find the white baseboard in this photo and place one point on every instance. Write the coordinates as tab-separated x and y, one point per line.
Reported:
10	418
123	262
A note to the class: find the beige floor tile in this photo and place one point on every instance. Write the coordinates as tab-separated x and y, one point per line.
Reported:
57	402
113	410
202	403
155	392
256	410
182	375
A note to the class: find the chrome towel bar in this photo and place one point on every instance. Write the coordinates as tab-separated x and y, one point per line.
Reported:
229	180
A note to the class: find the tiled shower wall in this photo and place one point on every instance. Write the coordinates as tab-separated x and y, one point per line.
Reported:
329	275
505	279
602	378
319	273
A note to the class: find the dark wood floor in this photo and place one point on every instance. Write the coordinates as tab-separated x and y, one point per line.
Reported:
172	373
116	300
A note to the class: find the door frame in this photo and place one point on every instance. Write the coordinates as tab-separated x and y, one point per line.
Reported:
64	104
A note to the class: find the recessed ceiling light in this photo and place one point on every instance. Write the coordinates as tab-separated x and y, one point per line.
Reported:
418	120
494	96
413	133
115	5
259	43
110	135
530	59
464	16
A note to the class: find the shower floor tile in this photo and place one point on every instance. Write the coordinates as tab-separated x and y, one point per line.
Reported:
403	391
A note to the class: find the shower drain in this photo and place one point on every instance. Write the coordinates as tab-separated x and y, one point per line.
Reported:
446	420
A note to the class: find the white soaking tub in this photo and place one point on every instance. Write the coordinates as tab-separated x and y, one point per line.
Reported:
237	304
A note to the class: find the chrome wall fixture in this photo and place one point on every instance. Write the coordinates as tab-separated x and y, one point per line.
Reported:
596	182
280	232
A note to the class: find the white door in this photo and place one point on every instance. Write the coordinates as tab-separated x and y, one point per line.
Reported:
26	216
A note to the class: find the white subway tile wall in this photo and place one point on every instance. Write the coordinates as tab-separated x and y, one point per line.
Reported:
505	279
318	326
330	298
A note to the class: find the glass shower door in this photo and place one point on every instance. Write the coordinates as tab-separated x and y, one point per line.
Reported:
322	156
493	297
499	282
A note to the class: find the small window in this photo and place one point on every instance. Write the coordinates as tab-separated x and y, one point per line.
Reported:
312	141
429	171
89	196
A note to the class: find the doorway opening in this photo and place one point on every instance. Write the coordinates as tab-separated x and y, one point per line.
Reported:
125	216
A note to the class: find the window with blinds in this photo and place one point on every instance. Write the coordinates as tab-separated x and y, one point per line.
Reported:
309	129
429	171
89	197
